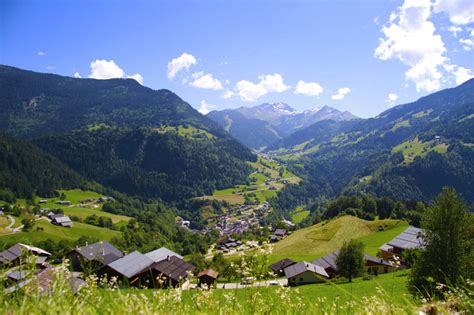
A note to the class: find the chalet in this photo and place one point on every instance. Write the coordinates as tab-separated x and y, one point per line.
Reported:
305	273
279	267
42	201
281	233
410	238
95	256
273	238
161	254
373	265
61	220
133	269
171	272
64	202
13	255
207	277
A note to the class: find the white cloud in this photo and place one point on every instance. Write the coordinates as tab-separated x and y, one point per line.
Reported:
205	107
410	37
249	91
467	43
41	53
206	81
103	69
341	93
462	74
455	30
308	88
228	94
182	62
50	67
391	98
77	75
460	12
137	77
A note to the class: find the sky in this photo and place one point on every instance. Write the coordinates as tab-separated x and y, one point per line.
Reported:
361	56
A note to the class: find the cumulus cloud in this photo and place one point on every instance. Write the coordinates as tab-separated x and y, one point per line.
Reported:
205	108
77	75
50	68
102	69
341	93
391	98
467	43
206	81
228	94
460	12
455	30
462	74
183	62
249	91
137	77
410	37
41	53
308	88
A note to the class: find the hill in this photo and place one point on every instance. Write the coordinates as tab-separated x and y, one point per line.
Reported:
407	152
121	134
263	125
325	237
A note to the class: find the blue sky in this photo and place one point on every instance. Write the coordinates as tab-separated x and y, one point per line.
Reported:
361	56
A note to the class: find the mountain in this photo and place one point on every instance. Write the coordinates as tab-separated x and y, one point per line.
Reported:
124	135
263	125
25	171
407	152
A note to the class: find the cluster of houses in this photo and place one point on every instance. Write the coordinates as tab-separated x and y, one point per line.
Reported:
324	268
277	235
239	219
231	245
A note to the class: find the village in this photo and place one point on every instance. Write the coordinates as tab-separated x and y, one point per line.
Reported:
164	268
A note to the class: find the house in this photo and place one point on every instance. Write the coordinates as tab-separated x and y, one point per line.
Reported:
273	238
279	267
408	239
61	220
281	233
372	265
305	273
171	272
95	256
42	201
64	202
13	255
207	277
133	269
161	254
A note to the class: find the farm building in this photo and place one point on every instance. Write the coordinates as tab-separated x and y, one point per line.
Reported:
61	220
207	277
305	273
410	238
279	267
133	269
13	255
373	265
161	254
171	272
95	256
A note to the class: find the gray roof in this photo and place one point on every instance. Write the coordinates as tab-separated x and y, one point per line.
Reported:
101	251
61	219
18	275
328	261
161	254
282	264
12	253
174	267
280	232
376	260
304	266
410	238
131	264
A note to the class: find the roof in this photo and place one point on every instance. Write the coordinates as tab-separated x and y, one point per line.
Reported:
174	268
328	261
280	232
161	254
61	219
101	251
410	238
304	266
18	275
282	264
131	264
12	253
208	272
376	260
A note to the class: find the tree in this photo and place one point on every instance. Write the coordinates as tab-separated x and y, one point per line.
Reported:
27	224
447	255
350	261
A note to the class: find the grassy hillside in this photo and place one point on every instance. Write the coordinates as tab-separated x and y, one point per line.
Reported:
320	239
50	231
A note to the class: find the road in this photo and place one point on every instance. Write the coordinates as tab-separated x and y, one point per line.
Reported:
267	283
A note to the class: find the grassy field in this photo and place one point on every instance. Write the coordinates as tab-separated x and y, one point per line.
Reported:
415	147
4	222
186	131
59	233
299	214
320	239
